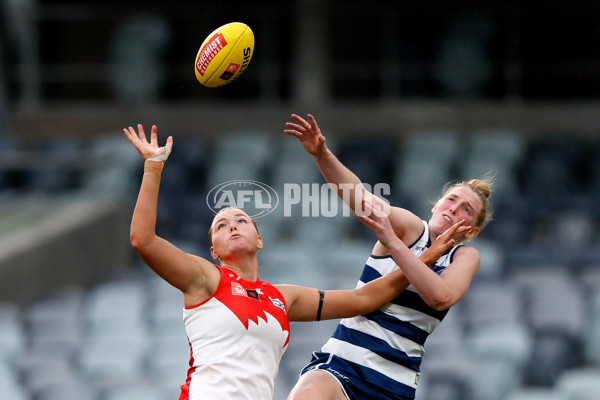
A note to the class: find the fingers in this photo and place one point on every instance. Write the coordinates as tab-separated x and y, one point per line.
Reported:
463	229
456	228
140	142
142	134
368	222
133	135
295	126
301	121
448	245
375	207
369	216
313	122
169	145
293	133
127	133
452	230
302	125
153	135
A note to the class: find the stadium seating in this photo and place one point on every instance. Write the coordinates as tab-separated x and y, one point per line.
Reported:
424	165
494	151
582	383
535	393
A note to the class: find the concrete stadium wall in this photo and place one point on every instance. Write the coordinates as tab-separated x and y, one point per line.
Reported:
208	121
69	243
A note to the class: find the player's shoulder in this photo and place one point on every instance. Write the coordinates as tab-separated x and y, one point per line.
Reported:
407	225
466	251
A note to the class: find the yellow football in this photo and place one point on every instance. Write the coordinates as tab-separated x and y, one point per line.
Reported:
224	54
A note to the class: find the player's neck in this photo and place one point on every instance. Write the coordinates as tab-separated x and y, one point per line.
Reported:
246	267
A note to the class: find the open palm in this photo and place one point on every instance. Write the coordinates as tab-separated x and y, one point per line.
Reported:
147	148
308	133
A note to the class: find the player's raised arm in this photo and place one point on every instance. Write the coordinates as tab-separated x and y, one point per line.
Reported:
308	304
348	185
178	268
439	292
344	181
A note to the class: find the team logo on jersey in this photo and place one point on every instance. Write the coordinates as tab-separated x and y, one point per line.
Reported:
238	290
253	294
278	303
420	248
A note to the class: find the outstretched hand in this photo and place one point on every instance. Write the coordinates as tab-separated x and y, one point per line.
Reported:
149	150
308	133
445	241
376	217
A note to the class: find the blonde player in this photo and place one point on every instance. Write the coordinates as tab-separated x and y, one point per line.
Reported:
377	356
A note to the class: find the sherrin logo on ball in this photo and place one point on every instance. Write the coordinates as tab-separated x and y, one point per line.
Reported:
224	54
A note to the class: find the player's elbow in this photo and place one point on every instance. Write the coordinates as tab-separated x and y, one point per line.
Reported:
441	302
135	241
440	306
138	240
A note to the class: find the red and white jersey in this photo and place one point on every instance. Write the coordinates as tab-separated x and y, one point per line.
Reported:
237	338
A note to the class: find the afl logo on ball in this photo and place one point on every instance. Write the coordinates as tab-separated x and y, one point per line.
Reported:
255	198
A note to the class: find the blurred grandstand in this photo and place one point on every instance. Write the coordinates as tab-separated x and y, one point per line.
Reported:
448	92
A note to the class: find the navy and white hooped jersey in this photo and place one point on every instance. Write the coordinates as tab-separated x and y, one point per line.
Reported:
385	347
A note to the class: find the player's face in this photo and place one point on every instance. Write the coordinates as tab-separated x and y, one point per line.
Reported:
458	204
232	229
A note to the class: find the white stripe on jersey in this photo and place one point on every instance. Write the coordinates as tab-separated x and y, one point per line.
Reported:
417	318
396	341
421	320
382	265
364	357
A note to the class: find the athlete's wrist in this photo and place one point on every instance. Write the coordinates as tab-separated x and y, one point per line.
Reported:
153	167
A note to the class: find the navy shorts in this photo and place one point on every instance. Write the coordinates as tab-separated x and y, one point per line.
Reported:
354	384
